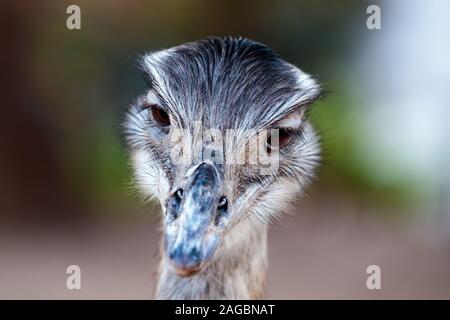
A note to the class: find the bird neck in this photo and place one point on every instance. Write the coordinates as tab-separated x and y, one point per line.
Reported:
237	271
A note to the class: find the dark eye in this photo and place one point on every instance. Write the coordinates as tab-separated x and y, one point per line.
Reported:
160	116
284	137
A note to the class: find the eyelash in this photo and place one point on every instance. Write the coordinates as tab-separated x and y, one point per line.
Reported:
145	106
292	134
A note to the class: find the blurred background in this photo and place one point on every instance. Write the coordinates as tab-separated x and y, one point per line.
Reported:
383	193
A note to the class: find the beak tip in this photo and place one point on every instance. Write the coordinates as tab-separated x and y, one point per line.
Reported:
185	270
184	261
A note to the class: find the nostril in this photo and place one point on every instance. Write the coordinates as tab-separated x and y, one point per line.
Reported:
179	194
222	212
195	254
222	202
174	205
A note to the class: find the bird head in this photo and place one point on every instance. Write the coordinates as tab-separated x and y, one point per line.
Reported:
220	136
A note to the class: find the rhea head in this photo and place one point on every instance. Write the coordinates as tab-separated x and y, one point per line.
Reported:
220	136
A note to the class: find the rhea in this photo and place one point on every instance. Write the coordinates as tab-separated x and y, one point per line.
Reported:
195	144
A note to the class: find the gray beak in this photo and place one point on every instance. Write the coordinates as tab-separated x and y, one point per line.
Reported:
195	216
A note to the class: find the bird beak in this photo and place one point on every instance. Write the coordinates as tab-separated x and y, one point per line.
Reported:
196	214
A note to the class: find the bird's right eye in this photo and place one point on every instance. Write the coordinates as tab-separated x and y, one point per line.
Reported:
160	116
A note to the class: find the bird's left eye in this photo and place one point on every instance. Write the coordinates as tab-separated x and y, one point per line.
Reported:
284	137
160	116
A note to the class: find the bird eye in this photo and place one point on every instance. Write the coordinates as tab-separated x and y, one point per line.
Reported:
284	138
160	116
